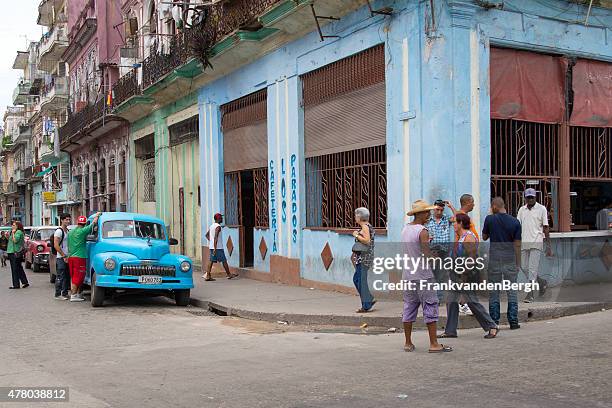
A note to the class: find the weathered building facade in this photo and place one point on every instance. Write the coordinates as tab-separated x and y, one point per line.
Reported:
302	118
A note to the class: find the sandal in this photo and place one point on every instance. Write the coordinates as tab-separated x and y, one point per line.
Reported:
490	335
209	279
444	349
409	349
446	336
232	276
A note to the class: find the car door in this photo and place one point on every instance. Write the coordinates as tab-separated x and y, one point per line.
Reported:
91	251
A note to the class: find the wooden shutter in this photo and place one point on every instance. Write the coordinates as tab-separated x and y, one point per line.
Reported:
345	104
245	132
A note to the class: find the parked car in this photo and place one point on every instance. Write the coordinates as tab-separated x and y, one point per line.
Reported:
37	251
130	251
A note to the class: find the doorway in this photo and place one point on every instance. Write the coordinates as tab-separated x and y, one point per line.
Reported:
247	206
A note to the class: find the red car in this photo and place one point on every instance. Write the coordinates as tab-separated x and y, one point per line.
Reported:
37	250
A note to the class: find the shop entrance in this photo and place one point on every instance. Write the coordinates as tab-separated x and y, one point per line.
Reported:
247	205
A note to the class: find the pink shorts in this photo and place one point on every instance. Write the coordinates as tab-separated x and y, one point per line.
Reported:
78	268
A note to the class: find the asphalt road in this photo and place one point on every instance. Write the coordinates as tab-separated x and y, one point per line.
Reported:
140	352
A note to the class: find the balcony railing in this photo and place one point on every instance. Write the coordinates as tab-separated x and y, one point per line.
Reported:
126	87
21	93
57	88
82	119
224	19
52	46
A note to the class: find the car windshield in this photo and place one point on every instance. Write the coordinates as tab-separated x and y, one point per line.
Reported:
129	228
43	235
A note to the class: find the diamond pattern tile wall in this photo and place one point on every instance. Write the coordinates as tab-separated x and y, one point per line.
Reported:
263	248
326	256
230	246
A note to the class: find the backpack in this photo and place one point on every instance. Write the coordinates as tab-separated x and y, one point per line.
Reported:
53	250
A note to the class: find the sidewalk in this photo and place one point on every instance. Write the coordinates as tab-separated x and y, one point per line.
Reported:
273	302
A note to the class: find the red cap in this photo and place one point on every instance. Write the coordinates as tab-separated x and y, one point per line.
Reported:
218	215
82	220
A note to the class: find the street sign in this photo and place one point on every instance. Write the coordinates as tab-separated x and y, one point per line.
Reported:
49	196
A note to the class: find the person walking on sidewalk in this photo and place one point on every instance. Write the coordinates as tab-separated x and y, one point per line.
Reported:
15	251
77	255
3	247
533	217
60	250
416	245
504	231
215	246
467	247
439	228
362	254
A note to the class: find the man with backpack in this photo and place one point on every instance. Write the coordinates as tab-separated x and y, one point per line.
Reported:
60	250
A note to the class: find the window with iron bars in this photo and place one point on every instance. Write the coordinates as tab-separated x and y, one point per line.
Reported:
338	183
149	181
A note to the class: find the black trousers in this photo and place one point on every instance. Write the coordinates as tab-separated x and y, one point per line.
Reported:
17	271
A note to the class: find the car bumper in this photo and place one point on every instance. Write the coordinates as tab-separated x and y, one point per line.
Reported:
131	282
42	259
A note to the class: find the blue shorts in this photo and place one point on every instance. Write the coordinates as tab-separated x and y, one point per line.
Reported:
220	257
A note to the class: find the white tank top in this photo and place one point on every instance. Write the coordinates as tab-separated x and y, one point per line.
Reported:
211	234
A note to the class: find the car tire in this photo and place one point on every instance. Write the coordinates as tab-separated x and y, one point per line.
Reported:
182	297
35	267
97	292
52	277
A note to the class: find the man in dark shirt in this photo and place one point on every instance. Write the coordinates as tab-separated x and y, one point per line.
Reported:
3	246
504	257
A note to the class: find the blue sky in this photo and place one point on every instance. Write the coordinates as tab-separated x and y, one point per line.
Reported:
17	27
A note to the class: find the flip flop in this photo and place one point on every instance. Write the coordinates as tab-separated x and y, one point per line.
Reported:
209	279
409	349
446	336
492	336
232	276
444	349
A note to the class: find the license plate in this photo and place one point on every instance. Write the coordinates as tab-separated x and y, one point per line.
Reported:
150	280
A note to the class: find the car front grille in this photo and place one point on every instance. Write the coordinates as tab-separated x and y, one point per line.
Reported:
139	270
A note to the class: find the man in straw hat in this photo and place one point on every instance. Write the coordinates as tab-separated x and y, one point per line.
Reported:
416	245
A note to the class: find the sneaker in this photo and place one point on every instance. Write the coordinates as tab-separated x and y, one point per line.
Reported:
60	297
80	295
465	309
76	298
515	326
529	298
543	286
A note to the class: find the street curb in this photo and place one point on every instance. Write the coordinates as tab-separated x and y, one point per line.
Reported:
465	322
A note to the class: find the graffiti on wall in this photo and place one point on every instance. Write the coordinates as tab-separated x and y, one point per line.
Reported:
288	199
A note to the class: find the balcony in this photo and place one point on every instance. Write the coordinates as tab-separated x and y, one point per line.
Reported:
239	32
47	10
19	176
54	96
86	125
21	93
21	60
52	46
46	152
23	135
82	31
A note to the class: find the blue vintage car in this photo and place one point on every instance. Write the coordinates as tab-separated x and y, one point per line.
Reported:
130	251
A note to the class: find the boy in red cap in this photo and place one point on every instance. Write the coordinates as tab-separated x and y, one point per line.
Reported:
77	258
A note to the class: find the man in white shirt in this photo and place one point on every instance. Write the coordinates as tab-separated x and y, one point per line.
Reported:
215	246
533	217
60	250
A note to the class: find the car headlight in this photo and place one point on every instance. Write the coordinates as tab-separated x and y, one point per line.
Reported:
110	264
40	248
185	266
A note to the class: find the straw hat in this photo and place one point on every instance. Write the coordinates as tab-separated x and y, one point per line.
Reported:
420	206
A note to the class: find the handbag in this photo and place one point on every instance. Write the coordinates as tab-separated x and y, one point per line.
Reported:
360	246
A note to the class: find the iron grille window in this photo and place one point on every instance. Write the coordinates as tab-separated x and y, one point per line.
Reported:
184	131
591	153
260	181
111	171
338	183
232	198
149	182
525	155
